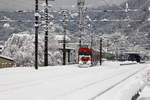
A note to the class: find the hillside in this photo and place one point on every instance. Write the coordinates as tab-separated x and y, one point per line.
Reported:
135	27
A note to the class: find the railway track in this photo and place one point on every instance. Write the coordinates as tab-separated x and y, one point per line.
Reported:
78	81
111	87
90	86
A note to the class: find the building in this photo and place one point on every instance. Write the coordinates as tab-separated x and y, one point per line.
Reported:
70	48
6	62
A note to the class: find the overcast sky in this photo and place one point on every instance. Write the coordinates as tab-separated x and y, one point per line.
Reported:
29	4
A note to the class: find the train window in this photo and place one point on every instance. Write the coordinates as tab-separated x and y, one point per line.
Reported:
84	53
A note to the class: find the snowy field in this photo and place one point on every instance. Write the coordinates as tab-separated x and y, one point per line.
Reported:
73	83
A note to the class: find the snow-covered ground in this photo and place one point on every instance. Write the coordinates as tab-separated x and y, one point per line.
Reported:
71	82
145	95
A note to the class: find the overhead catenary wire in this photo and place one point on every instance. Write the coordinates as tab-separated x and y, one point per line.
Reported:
102	20
93	10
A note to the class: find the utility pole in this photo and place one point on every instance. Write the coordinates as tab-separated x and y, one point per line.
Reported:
64	39
36	33
100	51
46	35
80	4
91	41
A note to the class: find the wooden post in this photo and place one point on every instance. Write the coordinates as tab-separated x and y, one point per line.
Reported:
46	35
100	51
36	33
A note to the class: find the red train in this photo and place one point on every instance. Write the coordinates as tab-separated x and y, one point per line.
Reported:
88	56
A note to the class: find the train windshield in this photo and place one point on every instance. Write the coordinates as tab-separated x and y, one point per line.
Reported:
84	53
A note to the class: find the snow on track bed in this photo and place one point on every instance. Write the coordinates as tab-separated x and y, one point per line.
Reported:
61	83
92	91
13	84
124	79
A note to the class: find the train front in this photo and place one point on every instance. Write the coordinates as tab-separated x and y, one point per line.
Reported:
85	57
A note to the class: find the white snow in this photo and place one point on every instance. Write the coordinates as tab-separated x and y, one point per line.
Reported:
149	8
52	16
61	37
145	95
1	48
6	57
74	15
20	47
43	4
68	82
125	90
6	25
37	14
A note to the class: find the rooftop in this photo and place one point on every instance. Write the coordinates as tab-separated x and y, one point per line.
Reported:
6	57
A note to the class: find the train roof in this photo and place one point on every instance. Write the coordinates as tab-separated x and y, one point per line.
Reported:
87	49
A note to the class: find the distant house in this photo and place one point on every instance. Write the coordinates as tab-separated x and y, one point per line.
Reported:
6	62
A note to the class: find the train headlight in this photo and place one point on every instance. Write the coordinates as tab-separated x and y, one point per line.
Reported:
80	62
89	62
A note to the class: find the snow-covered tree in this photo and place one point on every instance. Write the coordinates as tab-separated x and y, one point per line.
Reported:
21	48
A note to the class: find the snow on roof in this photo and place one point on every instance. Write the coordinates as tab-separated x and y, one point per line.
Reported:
1	46
25	33
6	25
61	37
132	52
5	57
74	14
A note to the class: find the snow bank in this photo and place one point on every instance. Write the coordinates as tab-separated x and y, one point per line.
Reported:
116	63
110	63
131	89
145	94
